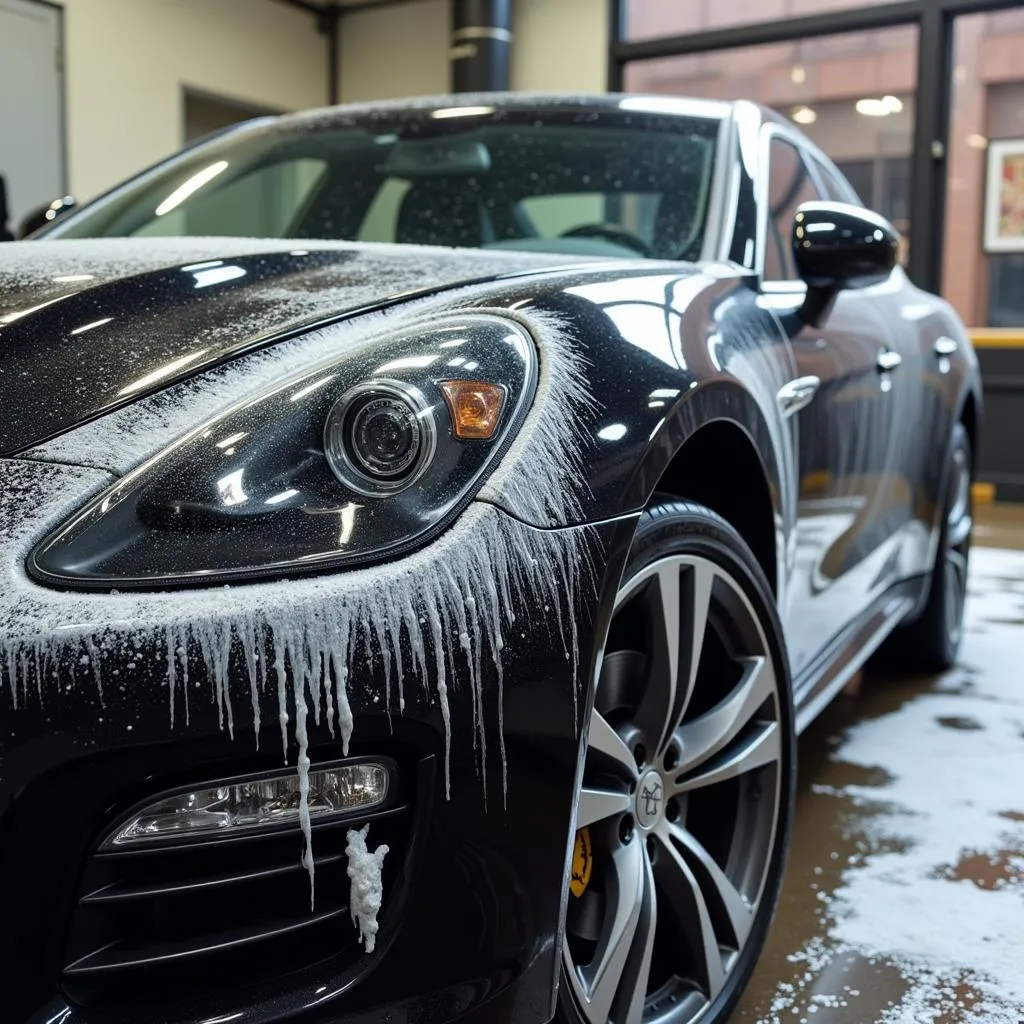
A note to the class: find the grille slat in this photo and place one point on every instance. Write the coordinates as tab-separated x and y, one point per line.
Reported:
115	893
119	957
165	919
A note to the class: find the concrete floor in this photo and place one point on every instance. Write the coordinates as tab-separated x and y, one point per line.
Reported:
904	897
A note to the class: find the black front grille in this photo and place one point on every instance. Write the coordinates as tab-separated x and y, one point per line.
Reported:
218	920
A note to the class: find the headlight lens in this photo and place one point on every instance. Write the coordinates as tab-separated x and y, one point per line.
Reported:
380	437
359	458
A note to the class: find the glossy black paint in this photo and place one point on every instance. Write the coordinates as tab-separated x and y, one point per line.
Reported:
850	485
77	345
483	894
837	246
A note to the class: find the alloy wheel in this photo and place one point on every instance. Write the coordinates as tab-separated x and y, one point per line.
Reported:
681	797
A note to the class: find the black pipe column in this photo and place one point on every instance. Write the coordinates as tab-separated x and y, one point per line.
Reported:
481	40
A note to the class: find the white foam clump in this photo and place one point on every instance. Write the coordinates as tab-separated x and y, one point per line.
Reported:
365	869
952	795
449	602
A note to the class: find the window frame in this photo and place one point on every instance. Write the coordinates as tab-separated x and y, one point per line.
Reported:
770	131
814	161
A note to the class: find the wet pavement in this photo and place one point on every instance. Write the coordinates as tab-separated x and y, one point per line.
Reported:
904	897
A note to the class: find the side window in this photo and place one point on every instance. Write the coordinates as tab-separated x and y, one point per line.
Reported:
837	188
789	185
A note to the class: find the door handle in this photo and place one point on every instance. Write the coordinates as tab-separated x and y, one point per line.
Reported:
795	395
888	360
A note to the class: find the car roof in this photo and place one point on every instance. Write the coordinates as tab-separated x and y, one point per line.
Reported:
540	102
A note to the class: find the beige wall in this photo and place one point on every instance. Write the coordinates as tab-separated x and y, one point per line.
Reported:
402	49
560	45
127	60
399	50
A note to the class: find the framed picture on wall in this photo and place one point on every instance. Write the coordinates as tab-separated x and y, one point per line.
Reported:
1004	197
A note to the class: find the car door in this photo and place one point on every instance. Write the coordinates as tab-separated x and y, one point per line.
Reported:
902	515
840	411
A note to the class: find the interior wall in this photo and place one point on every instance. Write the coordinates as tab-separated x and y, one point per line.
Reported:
398	50
402	49
560	45
127	63
204	113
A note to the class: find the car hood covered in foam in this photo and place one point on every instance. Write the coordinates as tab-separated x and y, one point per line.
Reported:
88	326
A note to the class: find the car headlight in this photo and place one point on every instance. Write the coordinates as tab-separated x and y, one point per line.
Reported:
353	461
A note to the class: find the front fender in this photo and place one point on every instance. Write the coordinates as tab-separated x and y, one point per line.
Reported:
663	354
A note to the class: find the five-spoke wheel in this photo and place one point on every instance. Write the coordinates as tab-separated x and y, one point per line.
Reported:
687	782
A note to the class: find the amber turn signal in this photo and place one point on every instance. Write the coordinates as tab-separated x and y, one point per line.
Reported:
475	406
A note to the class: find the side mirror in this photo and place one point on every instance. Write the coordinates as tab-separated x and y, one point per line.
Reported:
43	215
836	246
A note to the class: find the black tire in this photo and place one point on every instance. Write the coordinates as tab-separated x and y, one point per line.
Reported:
931	642
679	535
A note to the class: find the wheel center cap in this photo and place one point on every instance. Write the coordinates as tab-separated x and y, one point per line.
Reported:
650	800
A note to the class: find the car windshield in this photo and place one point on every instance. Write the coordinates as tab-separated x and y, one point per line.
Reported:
588	183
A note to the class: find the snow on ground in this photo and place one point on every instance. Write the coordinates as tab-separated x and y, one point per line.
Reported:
937	891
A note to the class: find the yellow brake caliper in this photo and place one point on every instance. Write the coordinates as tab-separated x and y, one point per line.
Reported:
582	863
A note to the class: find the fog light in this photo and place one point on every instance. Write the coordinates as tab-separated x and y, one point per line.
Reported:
227	807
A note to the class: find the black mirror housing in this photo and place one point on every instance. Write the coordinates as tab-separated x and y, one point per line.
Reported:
836	246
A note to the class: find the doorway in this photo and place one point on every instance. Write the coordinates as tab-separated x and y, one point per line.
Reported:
205	113
32	157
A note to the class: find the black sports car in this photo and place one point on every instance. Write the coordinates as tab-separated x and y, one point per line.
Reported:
426	528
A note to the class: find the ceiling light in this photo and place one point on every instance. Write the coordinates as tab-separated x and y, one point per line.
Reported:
804	115
976	141
798	74
873	107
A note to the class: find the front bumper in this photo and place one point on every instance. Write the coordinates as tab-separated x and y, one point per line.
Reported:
106	699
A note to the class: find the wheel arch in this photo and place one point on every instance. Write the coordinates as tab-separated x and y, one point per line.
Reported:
717	450
741	496
969	416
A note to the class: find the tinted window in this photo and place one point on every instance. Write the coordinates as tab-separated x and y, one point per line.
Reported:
789	185
599	184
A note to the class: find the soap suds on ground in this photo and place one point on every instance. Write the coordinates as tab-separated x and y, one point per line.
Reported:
936	891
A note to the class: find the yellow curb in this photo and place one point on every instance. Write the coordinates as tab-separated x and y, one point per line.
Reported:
983	494
996	337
